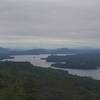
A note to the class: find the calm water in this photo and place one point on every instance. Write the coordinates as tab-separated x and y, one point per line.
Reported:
33	59
36	60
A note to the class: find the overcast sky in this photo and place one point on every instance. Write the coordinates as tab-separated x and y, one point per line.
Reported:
49	23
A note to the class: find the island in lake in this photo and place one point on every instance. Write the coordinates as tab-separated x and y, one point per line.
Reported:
76	61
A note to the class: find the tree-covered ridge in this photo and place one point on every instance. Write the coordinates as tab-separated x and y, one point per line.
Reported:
22	81
78	61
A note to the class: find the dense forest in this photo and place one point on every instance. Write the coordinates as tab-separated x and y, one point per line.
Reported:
78	61
23	81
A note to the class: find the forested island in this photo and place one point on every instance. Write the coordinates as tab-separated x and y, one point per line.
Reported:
76	61
23	81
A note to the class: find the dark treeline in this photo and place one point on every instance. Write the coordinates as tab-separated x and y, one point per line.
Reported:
78	61
22	81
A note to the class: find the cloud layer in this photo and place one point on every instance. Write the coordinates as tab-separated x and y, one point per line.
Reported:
49	23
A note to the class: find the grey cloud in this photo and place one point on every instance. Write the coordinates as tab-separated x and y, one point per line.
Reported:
74	21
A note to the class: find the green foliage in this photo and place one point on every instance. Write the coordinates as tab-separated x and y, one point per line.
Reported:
22	81
78	61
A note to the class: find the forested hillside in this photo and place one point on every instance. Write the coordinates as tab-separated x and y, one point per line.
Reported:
22	81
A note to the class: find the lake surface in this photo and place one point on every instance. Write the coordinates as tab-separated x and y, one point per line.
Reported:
33	59
36	60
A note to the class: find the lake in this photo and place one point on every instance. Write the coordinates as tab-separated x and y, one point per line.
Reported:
36	60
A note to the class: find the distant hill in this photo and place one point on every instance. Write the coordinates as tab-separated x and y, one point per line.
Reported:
7	51
4	50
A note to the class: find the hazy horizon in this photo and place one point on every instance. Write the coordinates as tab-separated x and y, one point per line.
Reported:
50	23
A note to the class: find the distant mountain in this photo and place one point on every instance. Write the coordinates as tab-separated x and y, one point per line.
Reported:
4	50
7	51
4	53
43	51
